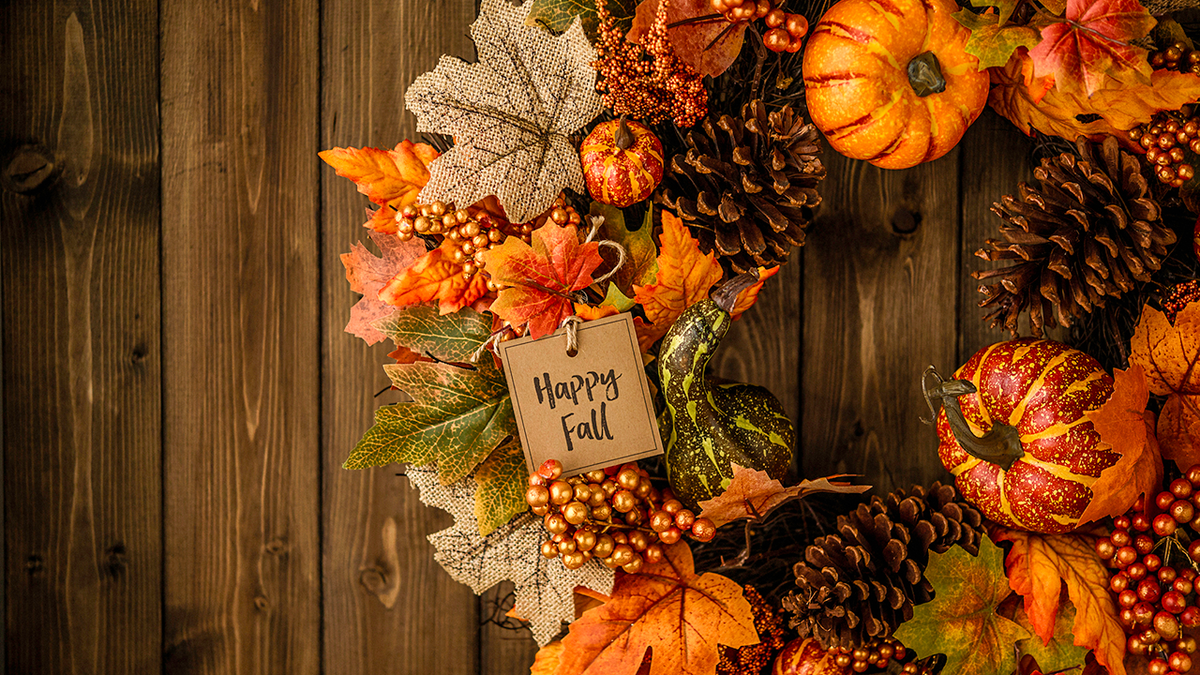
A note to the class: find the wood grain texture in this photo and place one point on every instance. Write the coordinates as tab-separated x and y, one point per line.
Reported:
880	285
79	269
241	356
389	607
995	157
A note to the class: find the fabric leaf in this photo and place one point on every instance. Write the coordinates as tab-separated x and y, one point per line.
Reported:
456	418
435	276
753	494
1038	567
501	481
368	275
453	337
641	260
558	15
545	589
709	47
1126	428
539	278
511	114
390	178
961	620
1091	47
668	607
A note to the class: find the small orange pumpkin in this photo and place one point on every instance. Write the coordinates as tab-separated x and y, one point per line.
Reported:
622	162
889	81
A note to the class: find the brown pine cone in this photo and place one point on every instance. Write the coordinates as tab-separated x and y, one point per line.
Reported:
856	587
1089	231
747	186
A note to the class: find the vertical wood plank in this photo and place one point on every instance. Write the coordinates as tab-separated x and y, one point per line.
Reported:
389	607
996	157
241	336
79	268
880	289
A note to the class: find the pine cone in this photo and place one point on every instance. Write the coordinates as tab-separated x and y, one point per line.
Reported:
857	586
1088	232
747	186
753	659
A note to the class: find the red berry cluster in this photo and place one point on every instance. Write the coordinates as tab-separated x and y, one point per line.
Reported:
614	514
879	655
1180	297
1156	561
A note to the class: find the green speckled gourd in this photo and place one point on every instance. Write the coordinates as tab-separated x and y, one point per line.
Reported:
712	426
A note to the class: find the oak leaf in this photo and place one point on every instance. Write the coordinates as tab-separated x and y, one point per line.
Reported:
753	494
961	620
390	178
1038	567
435	276
539	278
1126	428
992	42
668	607
684	278
1090	48
1033	103
708	46
501	479
641	259
511	114
558	15
368	275
1170	353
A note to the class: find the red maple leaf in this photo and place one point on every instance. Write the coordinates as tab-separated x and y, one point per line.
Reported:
368	274
1092	45
539	279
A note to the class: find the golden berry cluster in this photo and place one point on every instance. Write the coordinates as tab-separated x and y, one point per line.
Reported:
616	516
1179	297
785	31
648	81
879	655
1176	57
1167	140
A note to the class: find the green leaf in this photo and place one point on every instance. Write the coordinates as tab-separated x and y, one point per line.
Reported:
501	493
1061	652
456	418
1004	8
641	259
557	15
991	43
961	620
615	298
453	337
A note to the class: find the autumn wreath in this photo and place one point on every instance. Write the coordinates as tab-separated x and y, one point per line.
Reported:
654	159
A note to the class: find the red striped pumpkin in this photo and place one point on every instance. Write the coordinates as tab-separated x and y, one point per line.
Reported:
1044	390
622	162
889	81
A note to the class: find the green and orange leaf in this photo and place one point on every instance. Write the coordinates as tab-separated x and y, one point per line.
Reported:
1170	353
540	278
502	481
390	178
1038	567
992	42
1091	47
683	616
1125	427
435	277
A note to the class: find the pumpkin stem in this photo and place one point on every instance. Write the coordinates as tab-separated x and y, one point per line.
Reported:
726	296
1001	445
623	137
925	75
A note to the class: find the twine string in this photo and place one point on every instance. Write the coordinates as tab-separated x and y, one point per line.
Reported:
571	323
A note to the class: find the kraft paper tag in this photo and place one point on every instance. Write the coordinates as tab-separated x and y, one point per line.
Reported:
590	410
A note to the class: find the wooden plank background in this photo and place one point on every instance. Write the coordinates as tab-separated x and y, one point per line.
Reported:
178	394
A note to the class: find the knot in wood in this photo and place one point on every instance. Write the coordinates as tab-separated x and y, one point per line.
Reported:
28	168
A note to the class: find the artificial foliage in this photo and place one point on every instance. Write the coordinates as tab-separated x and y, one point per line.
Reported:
664	159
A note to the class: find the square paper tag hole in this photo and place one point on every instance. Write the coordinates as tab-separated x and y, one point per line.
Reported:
590	410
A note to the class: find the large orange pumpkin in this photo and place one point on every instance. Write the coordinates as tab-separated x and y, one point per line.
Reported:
889	81
1016	435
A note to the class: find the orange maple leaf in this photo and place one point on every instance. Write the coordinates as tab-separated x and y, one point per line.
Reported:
540	277
1039	564
545	662
753	494
435	276
684	617
1125	427
368	274
390	178
684	278
1171	356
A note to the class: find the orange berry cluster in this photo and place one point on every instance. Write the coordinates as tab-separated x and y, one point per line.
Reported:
1176	57
879	655
614	515
786	32
1167	138
741	10
1179	297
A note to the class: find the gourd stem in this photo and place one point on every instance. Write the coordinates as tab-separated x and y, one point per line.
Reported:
726	296
623	137
1001	445
925	75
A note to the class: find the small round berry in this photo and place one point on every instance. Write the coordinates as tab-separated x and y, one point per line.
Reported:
1173	602
1181	488
1127	598
777	39
1120	538
1118	582
1164	525
1152	562
660	521
1180	662
1147	591
796	25
1166	625
561	492
1163	500
704	529
1105	548
775	18
1157	667
670	536
1190	618
550	469
1137	571
537	496
1143	544
1126	555
684	519
1167	574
